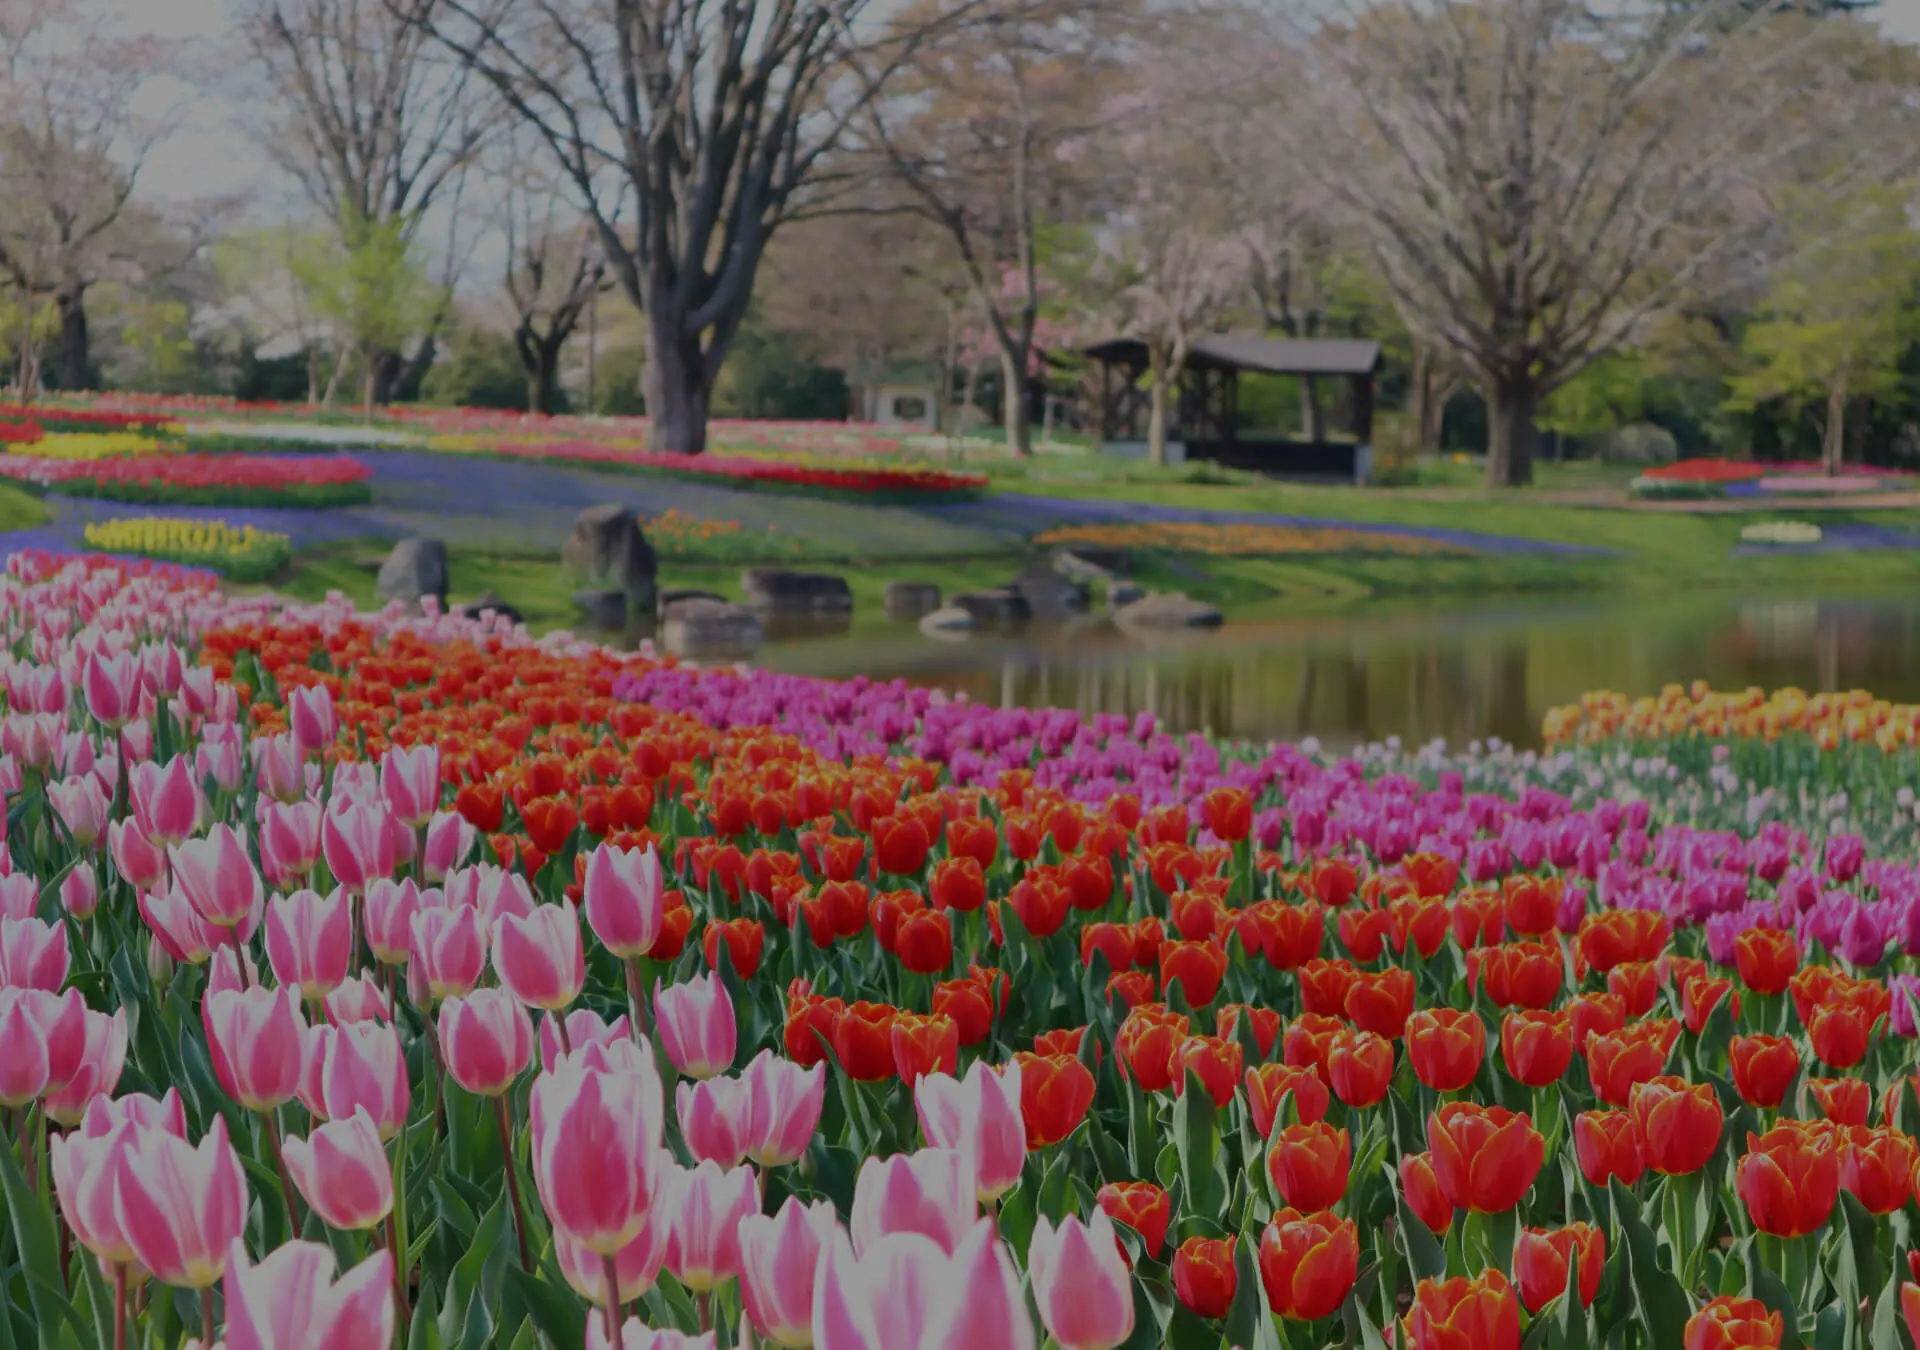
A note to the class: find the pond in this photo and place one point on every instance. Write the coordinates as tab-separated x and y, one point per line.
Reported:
1413	671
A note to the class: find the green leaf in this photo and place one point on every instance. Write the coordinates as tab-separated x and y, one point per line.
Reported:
473	1288
1771	1290
1569	1320
1245	1315
1660	1303
1187	1330
1360	1328
1425	1256
422	1333
561	1317
33	1234
1868	1271
1196	1135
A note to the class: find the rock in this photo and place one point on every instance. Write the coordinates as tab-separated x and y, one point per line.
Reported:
907	601
1002	606
601	608
1165	612
489	603
1122	593
669	596
947	620
1050	595
710	628
1090	564
607	550
775	588
416	568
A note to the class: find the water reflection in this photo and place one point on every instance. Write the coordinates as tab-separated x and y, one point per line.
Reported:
1416	672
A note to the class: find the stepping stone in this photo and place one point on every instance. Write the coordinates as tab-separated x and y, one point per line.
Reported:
1165	612
1050	595
607	550
601	608
907	601
777	589
711	629
1002	607
416	568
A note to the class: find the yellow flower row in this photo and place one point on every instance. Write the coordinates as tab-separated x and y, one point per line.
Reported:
175	536
1239	540
1679	712
90	445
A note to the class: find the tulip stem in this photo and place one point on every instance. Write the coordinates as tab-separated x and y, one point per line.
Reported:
280	1166
206	1315
636	998
119	1305
704	1302
439	1077
612	1276
559	1020
505	1116
399	1270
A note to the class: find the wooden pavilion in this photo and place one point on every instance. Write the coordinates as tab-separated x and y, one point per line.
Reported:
1203	419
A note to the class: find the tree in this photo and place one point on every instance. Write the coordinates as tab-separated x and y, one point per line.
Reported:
1839	315
689	131
552	272
373	126
272	276
1537	180
374	291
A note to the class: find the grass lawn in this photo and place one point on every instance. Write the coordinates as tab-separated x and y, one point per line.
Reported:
20	510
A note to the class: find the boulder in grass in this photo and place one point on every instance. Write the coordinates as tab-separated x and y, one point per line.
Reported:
949	621
489	604
1052	595
710	629
910	601
415	569
601	608
669	596
1166	612
785	592
607	550
1090	564
1001	607
1123	593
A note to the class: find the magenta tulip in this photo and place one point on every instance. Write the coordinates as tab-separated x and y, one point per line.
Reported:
256	1039
342	1171
363	1067
410	778
179	1206
539	958
166	801
979	1116
713	1118
779	1258
449	951
486	1039
696	1025
33	954
784	1102
310	940
931	1192
597	1153
1081	1283
626	900
907	1293
291	1301
703	1228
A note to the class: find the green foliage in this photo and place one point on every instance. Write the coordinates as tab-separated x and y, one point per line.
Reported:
371	286
480	368
770	375
1605	396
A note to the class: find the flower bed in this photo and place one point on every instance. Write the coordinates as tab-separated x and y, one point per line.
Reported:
894	1020
1244	540
239	553
90	445
61	417
1707	471
202	480
1780	532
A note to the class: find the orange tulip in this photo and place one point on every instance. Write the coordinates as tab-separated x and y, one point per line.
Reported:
1446	1047
1541	1256
1763	1068
1308	1263
1484	1157
1536	1045
1678	1123
1309	1165
1463	1314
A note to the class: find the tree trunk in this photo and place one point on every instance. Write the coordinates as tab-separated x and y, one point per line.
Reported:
1157	409
1512	436
1833	445
1312	425
75	351
313	374
943	410
333	380
383	376
543	375
677	393
1013	406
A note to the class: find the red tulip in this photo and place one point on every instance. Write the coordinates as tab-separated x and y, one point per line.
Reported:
1766	959
958	883
1636	984
1839	1032
1381	1002
1146	1045
1055	1092
968	1004
1617	1060
1422	1191
1607	1145
1536	1045
863	1040
923	1045
744	938
1267	1083
1265	1023
1678	1123
1844	1101
1359	1065
1309	1165
1446	1047
1789	1179
1541	1257
1519	974
1701	995
1308	1263
1229	814
1733	1323
1484	1158
1199	966
1764	1068
1877	1166
1463	1314
1214	1059
1204	1277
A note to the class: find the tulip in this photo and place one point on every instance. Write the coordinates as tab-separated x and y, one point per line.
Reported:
900	845
812	1024
166	803
1359	1066
1446	1047
101	1063
1764	1068
783	1108
1606	1143
1308	1263
105	1114
1766	959
82	808
1877	1166
1214	1060
636	1266
779	1257
1482	1313
959	884
931	1192
292	1300
924	942
744	939
361	1065
85	1170
1618	1060
1733	1323
282	774
138	859
486	1039
1422	1191
1839	1033
1381	1001
1309	1164
112	687
358	843
256	1039
1536	1046
539	958
597	1152
981	1118
1541	1257
310	940
625	899
387	912
1909	1309
24	1053
637	1335
33	955
1677	1123
1204	1277
908	1293
1199	966
1143	1207
360	999
1844	1101
1484	1158
410	779
450	840
342	1171
696	1026
1147	1045
863	1041
1080	1282
703	1231
80	891
448	949
1268	1083
179	1207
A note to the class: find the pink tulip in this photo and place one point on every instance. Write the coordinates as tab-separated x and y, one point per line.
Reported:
166	801
713	1119
280	770
310	940
636	1266
219	761
256	1039
779	1259
931	1192
168	1114
486	1039
180	1207
80	891
696	1026
1081	1283
539	958
584	1027
626	902
907	1293
493	891
19	896
23	1050
450	841
410	778
313	1065
33	954
979	1116
177	926
32	688
310	711
82	808
342	1171
359	999
291	1301
448	950
358	844
355	780
99	1072
217	876
637	1335
223	971
388	912
85	1169
30	737
196	693
597	1140
703	1232
140	862
161	668
364	1068
289	840
112	686
784	1102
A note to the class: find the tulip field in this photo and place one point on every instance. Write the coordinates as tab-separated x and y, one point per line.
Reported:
371	979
